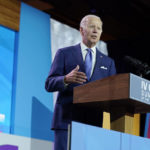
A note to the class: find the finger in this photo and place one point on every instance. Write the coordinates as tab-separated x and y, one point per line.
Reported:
81	75
80	80
77	68
77	80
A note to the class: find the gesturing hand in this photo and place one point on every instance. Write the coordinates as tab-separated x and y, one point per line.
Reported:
75	76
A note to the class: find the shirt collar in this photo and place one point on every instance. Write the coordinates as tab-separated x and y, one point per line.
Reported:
84	47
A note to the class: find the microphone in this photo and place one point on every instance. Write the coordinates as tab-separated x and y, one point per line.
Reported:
133	61
142	68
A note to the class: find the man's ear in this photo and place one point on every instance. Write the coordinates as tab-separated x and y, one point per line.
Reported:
81	30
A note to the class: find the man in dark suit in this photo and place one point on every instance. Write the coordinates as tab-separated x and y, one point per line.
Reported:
74	66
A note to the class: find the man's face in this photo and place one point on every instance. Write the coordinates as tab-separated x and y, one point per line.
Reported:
91	31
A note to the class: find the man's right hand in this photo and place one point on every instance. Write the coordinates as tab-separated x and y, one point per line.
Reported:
75	76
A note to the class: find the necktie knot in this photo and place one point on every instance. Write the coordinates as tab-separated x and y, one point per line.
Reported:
89	50
88	63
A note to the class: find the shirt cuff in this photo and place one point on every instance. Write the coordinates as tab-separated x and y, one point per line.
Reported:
65	84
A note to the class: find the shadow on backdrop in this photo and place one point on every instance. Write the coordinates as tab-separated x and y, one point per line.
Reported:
41	121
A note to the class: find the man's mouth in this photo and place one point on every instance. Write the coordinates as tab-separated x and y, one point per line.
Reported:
94	36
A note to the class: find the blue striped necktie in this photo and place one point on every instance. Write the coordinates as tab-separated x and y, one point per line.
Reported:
88	63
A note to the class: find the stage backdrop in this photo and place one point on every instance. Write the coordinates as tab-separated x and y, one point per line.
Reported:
32	104
7	45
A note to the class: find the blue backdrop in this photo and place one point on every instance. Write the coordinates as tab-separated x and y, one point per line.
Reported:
7	43
33	105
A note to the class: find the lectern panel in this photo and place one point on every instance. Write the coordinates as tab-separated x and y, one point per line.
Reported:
121	93
139	89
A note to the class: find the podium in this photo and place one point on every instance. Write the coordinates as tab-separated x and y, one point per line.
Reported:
122	95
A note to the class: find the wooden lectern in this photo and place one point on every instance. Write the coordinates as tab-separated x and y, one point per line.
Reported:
122	95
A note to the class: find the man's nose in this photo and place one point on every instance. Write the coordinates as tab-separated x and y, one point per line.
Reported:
95	30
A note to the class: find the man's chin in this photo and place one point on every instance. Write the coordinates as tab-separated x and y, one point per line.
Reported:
93	42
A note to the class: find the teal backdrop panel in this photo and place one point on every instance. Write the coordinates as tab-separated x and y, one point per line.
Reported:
33	106
7	44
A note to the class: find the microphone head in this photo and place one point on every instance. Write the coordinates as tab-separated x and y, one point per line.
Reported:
133	61
141	68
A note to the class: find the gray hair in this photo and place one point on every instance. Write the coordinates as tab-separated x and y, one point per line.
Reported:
84	20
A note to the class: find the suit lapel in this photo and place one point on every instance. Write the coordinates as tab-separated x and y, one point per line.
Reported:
78	57
98	63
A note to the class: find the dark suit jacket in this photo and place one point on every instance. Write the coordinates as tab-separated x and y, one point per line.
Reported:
65	61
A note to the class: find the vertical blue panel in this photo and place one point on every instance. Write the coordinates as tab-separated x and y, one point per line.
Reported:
33	106
86	137
131	142
147	125
7	38
125	141
140	143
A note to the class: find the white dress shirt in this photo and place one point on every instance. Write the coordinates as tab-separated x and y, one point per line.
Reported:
84	52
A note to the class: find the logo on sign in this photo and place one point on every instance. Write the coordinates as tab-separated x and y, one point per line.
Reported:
145	91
